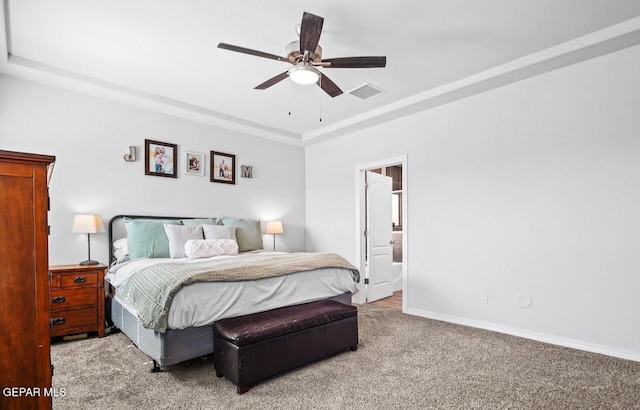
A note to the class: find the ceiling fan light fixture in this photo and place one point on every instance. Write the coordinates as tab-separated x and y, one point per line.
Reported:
304	74
305	54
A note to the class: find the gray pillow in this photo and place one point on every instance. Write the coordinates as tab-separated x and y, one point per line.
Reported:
146	238
219	232
248	233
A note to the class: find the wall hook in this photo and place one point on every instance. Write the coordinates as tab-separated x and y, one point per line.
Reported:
131	156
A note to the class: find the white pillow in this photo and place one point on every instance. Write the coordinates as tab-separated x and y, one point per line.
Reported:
219	232
120	249
179	235
206	248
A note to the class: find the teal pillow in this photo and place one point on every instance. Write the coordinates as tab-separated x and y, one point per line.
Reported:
198	221
146	238
248	233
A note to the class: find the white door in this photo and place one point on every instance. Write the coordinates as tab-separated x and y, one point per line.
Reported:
379	237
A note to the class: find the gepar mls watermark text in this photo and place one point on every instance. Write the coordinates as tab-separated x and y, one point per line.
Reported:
34	391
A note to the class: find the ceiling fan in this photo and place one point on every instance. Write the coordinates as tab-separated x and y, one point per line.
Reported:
305	55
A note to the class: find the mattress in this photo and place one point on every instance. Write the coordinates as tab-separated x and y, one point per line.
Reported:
202	303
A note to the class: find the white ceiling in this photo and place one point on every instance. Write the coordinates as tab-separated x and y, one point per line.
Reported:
163	55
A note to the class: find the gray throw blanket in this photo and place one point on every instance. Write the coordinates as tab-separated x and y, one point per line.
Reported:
152	288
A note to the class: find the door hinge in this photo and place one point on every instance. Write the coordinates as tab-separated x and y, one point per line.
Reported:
50	276
366	185
366	281
365	233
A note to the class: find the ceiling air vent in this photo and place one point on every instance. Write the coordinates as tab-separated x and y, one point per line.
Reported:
366	91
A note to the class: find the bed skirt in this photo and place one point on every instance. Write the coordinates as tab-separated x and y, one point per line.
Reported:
173	346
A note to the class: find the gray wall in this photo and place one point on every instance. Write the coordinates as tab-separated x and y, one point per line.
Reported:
89	137
530	188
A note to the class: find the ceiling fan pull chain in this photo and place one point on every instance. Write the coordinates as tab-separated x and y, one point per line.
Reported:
320	96
289	97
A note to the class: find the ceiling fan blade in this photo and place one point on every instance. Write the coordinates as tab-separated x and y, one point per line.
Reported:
329	86
310	30
272	81
251	52
356	62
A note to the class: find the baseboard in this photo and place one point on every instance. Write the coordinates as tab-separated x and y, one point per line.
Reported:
527	334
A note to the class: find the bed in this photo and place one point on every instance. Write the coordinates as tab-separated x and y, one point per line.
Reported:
187	330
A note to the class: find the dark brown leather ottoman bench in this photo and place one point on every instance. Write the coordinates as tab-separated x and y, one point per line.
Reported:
249	349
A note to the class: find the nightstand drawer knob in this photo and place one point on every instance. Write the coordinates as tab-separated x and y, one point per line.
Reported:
79	279
58	321
58	299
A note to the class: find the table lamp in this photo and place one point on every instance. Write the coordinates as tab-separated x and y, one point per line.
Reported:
88	224
274	227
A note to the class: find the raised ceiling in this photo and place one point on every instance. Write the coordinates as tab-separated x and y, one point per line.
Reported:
163	55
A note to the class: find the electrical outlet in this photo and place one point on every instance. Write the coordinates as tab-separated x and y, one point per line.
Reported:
484	297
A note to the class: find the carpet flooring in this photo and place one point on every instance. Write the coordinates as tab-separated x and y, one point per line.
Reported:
403	362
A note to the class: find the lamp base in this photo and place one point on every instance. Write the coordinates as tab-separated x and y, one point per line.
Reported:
89	262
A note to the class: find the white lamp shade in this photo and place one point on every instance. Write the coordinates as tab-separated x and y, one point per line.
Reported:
274	227
87	224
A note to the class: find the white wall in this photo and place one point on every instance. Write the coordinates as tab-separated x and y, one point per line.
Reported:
533	187
89	137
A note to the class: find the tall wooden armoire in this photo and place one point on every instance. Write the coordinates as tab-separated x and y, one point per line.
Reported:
25	357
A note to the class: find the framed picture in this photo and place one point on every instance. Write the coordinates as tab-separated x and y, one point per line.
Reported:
160	159
223	167
195	163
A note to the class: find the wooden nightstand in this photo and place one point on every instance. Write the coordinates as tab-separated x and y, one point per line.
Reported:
76	299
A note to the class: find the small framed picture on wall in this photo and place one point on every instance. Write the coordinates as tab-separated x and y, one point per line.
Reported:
195	163
160	159
223	167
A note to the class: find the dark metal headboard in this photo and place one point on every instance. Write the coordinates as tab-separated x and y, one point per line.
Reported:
117	229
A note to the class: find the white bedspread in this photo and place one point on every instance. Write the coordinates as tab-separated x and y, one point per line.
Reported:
203	303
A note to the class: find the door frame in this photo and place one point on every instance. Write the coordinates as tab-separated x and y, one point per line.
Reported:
361	223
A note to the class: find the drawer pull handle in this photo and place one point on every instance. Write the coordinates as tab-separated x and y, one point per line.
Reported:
58	299
58	321
79	279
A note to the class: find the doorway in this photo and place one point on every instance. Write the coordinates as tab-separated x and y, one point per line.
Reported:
379	286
